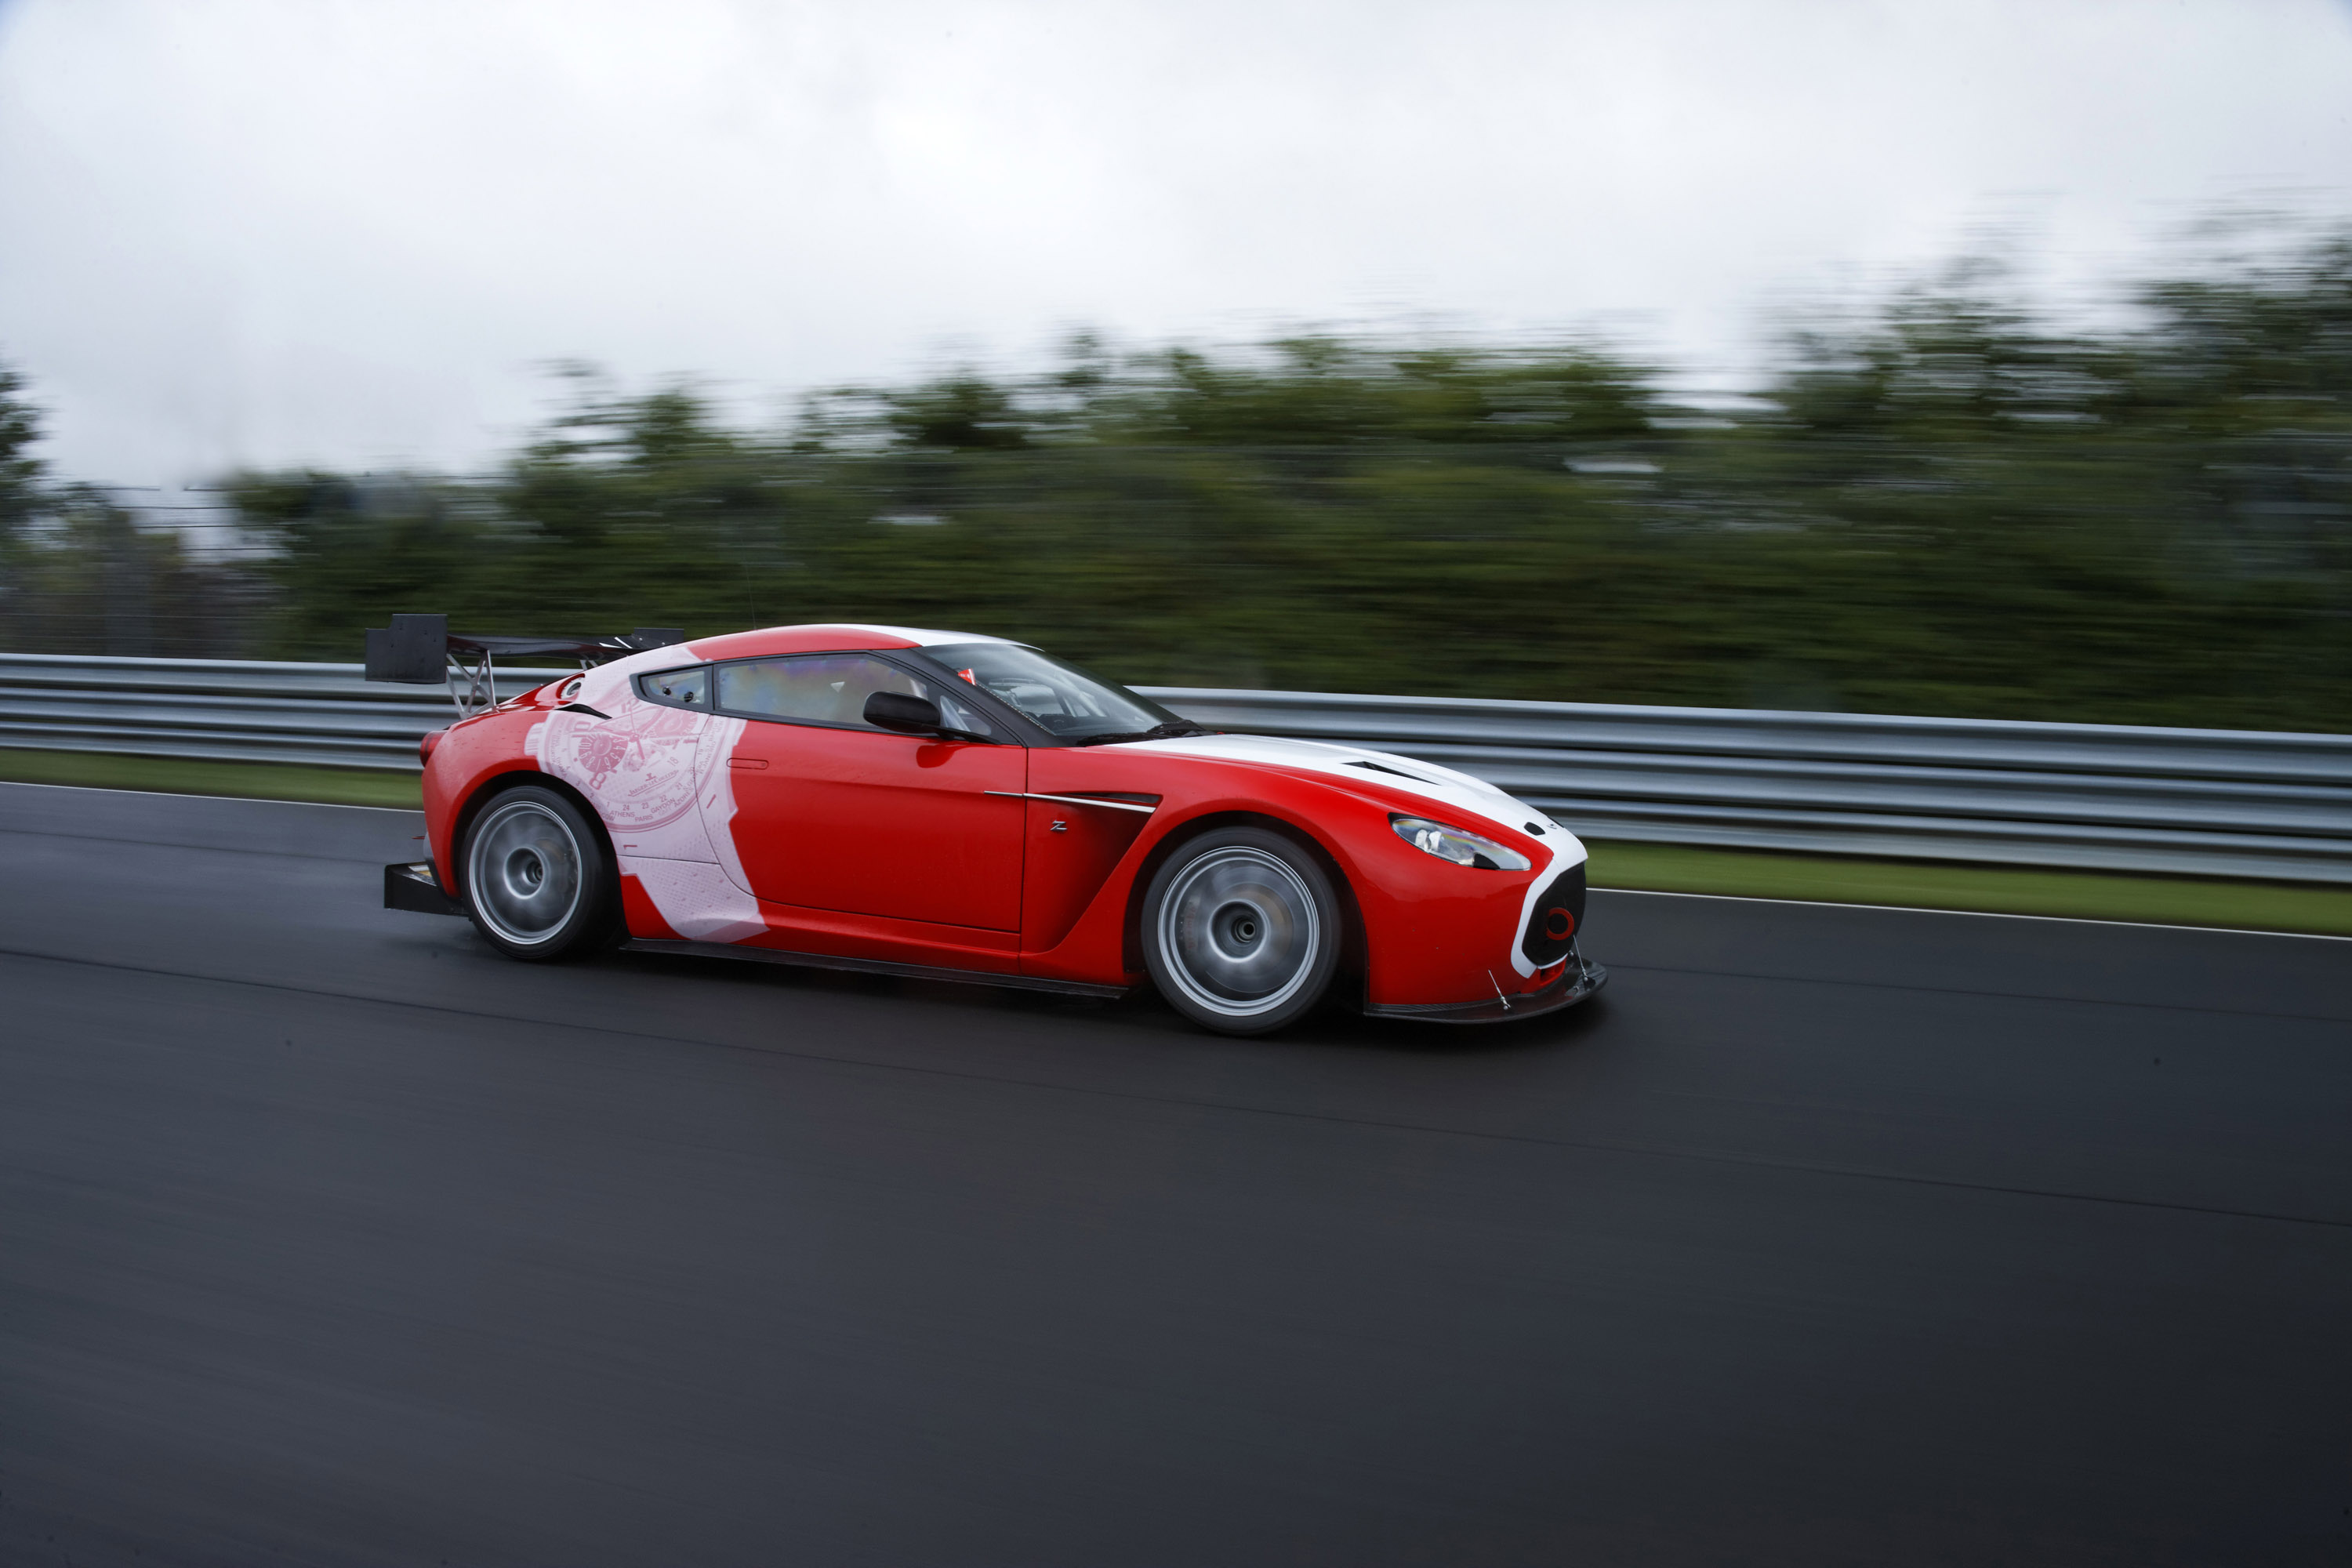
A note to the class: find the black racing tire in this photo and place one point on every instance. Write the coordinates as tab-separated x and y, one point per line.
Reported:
537	882
1241	931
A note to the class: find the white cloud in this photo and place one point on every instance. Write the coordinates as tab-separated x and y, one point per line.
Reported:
272	231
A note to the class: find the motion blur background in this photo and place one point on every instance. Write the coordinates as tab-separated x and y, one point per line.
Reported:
1988	359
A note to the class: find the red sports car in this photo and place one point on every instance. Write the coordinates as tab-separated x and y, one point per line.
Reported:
956	806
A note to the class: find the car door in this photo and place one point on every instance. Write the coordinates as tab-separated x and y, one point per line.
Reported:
833	814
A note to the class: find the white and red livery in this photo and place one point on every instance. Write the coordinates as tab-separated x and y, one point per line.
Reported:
922	802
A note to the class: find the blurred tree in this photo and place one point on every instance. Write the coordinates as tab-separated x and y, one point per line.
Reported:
1948	506
20	472
962	413
20	428
20	488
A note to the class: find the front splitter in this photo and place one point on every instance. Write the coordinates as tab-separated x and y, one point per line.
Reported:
1579	981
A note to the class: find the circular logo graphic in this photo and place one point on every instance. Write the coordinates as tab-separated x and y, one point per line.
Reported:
637	766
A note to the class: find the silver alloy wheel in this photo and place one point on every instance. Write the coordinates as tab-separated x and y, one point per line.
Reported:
1240	931
523	871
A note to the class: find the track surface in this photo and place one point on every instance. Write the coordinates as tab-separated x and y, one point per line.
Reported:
1829	1235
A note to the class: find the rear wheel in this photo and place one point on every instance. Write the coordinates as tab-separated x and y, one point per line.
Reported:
1241	930
536	876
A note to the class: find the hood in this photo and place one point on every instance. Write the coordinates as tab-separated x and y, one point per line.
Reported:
1453	796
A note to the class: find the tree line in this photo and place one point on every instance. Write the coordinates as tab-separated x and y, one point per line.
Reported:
1953	506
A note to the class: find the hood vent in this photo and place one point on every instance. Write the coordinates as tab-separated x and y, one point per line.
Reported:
1400	773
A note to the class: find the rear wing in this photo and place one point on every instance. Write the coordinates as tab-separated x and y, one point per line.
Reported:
421	651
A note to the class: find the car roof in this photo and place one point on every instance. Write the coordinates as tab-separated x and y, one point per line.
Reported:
823	637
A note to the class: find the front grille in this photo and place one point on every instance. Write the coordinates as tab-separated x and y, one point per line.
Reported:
1546	943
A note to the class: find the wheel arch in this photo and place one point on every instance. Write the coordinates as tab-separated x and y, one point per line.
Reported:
1354	947
506	781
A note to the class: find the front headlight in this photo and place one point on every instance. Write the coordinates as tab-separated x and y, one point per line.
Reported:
1452	843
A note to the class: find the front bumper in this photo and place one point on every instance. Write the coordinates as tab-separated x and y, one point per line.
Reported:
1578	981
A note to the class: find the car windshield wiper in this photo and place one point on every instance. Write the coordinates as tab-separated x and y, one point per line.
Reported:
1168	731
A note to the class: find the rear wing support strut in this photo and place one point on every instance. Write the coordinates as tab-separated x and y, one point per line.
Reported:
481	677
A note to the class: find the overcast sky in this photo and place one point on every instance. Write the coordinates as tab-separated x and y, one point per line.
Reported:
269	232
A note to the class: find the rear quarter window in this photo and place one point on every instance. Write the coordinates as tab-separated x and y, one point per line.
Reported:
677	688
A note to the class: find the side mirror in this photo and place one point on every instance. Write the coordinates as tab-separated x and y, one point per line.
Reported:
907	715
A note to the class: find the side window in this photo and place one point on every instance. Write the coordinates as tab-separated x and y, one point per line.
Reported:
677	688
831	688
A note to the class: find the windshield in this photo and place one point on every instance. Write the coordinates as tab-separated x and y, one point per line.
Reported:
1060	698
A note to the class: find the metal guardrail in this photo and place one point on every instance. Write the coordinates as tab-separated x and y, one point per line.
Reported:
2194	802
2221	803
241	710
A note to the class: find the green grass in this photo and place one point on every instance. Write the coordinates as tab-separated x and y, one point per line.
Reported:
181	776
1666	867
1999	889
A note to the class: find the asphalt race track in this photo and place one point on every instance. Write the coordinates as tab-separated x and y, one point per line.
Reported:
1828	1235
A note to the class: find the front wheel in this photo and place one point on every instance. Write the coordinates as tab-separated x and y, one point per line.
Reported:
536	876
1241	930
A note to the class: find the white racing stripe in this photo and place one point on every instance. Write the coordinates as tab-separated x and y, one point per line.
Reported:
916	635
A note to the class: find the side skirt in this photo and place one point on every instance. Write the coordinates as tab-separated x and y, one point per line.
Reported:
869	966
